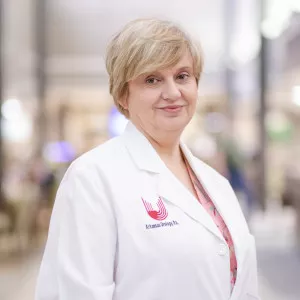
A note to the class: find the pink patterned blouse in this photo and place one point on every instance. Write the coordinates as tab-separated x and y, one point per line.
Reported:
207	203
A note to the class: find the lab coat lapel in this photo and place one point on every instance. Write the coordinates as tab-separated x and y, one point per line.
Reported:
173	191
220	197
167	185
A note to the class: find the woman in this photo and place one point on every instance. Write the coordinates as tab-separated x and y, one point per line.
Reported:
139	217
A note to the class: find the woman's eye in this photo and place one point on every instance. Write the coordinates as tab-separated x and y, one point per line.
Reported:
152	80
183	76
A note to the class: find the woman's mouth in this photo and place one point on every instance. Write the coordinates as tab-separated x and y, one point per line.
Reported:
172	108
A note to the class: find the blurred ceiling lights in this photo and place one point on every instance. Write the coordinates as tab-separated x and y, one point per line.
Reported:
11	109
242	50
296	95
278	17
17	126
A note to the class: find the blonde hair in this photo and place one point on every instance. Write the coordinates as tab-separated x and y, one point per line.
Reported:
144	46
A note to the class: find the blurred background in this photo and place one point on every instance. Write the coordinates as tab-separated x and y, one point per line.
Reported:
55	105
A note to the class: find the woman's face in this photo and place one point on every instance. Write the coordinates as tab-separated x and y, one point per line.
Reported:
164	100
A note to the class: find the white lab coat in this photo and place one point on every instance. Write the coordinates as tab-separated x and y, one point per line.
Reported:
124	228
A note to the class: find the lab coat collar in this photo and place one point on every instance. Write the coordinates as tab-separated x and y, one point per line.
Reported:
215	189
141	150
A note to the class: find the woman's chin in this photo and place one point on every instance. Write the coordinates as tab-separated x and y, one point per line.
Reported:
174	124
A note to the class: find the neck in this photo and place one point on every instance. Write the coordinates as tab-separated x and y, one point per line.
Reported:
168	152
167	145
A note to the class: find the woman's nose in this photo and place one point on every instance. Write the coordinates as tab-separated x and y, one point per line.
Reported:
171	91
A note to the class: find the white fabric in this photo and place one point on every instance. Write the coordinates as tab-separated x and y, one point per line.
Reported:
103	244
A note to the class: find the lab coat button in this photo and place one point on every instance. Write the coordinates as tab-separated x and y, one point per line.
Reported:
223	250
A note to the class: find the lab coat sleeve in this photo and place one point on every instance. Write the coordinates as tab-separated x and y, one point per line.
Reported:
79	259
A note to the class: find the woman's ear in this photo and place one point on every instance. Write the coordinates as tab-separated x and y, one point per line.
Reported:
123	101
123	104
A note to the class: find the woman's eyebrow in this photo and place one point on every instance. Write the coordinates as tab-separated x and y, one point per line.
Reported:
159	73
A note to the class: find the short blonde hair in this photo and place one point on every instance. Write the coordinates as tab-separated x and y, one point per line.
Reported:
144	46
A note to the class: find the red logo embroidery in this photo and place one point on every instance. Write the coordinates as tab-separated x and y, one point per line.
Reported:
160	214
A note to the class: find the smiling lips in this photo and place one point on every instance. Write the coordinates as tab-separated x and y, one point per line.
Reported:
172	108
